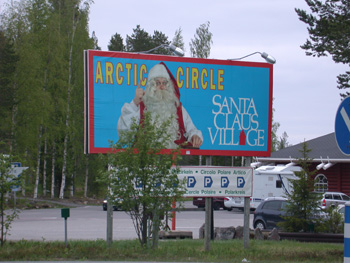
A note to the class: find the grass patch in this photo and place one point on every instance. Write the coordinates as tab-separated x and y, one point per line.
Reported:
173	250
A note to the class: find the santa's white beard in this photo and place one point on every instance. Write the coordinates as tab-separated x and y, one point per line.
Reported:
162	106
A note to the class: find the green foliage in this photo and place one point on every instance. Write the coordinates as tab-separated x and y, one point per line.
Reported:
277	143
333	223
329	30
303	204
7	181
45	104
116	43
178	39
140	40
201	44
175	251
283	143
144	176
8	60
95	41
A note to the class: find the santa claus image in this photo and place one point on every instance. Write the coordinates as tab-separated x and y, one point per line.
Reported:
162	99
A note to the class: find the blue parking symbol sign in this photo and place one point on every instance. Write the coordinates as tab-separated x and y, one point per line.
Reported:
342	126
240	182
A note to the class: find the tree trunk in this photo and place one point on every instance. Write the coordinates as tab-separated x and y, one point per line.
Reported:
72	185
44	166
63	182
23	188
144	228
38	164
155	234
86	175
53	170
13	127
65	152
2	210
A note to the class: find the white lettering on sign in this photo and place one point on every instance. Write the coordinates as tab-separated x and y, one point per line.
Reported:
236	122
217	181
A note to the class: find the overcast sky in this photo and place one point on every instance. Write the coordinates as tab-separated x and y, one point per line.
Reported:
305	94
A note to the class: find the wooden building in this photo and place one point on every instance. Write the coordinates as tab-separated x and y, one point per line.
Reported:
332	166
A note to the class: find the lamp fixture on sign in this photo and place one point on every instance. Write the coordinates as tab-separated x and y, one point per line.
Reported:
176	50
268	58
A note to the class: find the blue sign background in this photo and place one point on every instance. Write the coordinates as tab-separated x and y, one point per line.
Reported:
247	91
342	126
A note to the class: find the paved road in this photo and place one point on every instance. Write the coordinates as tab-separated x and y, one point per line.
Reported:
89	223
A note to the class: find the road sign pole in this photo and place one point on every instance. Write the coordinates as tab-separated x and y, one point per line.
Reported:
246	230
65	214
347	234
109	234
209	218
65	232
173	220
207	225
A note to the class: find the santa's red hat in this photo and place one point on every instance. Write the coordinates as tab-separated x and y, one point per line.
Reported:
161	71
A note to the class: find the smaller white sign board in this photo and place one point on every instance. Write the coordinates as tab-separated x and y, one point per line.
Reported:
16	171
214	181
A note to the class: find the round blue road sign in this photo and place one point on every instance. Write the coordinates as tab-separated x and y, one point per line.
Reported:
342	126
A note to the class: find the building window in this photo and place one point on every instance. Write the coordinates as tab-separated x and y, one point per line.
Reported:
278	184
321	183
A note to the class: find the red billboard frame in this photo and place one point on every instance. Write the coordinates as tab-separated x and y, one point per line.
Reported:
90	55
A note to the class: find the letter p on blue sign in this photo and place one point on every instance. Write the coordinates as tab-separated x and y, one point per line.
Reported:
240	182
191	181
225	182
208	181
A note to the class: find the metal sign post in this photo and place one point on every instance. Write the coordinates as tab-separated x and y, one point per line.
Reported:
347	234
246	215
209	218
65	215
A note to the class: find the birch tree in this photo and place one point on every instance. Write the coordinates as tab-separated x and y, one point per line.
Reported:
178	39
200	45
142	177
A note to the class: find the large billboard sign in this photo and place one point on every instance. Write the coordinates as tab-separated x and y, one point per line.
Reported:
221	107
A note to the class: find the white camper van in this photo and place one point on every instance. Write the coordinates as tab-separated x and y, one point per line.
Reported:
268	181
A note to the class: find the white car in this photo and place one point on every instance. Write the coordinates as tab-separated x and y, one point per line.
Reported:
238	202
333	199
341	208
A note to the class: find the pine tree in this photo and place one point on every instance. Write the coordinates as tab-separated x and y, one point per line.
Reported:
116	43
303	204
329	30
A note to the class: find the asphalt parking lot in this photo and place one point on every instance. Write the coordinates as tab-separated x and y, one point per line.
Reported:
90	223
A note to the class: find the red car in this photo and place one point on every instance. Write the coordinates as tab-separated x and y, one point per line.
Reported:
218	202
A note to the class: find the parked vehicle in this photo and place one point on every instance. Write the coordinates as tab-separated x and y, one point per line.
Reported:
116	205
333	199
238	202
269	213
218	202
268	181
341	209
272	210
